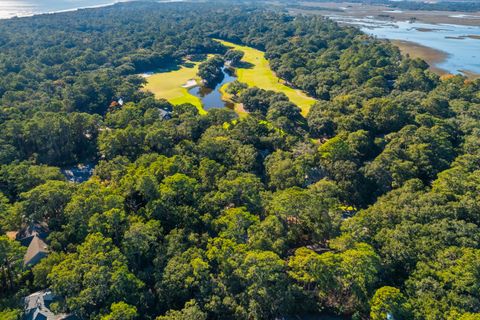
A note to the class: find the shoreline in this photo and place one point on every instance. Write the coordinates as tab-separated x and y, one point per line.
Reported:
448	42
29	15
470	75
430	55
379	11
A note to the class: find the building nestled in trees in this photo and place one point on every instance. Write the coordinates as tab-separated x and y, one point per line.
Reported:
37	307
37	250
33	236
26	234
164	114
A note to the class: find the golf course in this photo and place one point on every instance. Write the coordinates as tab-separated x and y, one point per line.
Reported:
170	85
260	75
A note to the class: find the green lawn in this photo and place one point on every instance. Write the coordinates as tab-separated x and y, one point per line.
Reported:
168	85
261	76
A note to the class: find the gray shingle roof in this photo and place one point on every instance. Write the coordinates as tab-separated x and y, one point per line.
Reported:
36	307
26	234
36	251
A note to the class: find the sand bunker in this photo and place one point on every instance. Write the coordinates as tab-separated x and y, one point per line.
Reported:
190	84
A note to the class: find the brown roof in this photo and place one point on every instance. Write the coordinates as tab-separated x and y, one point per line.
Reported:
37	250
12	235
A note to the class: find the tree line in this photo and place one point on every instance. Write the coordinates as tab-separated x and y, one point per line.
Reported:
365	208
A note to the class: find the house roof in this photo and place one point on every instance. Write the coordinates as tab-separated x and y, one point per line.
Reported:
34	300
33	229
35	251
164	113
36	307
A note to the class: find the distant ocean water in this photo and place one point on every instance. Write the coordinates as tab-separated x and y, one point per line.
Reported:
23	8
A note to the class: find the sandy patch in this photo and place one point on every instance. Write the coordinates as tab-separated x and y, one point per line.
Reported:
12	235
470	74
414	50
147	74
190	84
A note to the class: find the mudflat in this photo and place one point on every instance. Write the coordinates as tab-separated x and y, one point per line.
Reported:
415	50
360	10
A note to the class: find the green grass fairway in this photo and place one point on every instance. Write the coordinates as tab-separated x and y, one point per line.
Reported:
261	76
168	85
237	107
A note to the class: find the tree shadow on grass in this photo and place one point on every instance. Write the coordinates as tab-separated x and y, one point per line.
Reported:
244	65
169	67
175	67
188	64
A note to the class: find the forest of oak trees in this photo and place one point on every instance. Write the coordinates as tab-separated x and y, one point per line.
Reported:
368	207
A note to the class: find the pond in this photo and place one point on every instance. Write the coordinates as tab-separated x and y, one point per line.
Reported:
212	97
460	43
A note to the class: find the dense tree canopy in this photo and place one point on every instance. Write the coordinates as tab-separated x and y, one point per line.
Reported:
366	207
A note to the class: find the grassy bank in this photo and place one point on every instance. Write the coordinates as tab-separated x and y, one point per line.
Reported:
258	74
237	107
168	85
